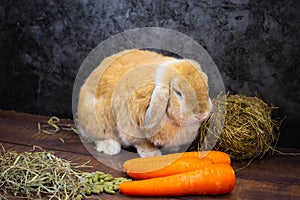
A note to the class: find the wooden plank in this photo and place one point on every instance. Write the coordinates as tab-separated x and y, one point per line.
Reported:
273	177
276	168
266	190
21	128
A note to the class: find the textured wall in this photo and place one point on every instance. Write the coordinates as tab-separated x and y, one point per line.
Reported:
255	45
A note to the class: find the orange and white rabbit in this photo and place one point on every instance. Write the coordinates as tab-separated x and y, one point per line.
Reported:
143	99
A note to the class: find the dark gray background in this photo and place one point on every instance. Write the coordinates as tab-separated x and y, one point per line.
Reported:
254	43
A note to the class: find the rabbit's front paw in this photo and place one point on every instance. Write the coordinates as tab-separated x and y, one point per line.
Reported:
150	154
108	146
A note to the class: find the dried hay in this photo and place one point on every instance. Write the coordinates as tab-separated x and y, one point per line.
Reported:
248	130
37	175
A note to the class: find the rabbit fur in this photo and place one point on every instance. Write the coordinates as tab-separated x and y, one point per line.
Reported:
143	99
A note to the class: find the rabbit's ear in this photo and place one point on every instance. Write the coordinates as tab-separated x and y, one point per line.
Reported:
157	107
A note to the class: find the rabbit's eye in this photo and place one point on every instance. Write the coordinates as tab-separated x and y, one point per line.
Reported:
178	93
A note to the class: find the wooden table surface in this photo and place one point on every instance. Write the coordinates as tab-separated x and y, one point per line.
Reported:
273	177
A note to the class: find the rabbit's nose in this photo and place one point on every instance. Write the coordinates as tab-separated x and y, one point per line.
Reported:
203	116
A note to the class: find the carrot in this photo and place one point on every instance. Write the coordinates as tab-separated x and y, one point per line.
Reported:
139	163
166	167
209	180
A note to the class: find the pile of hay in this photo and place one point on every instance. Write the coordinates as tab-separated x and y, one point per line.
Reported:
247	129
39	175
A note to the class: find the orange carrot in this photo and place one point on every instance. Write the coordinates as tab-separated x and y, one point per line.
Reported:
139	163
209	180
166	167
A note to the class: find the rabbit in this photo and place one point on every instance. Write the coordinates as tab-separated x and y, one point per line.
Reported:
143	99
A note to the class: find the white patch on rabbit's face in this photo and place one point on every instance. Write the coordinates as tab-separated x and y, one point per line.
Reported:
150	107
159	82
162	69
